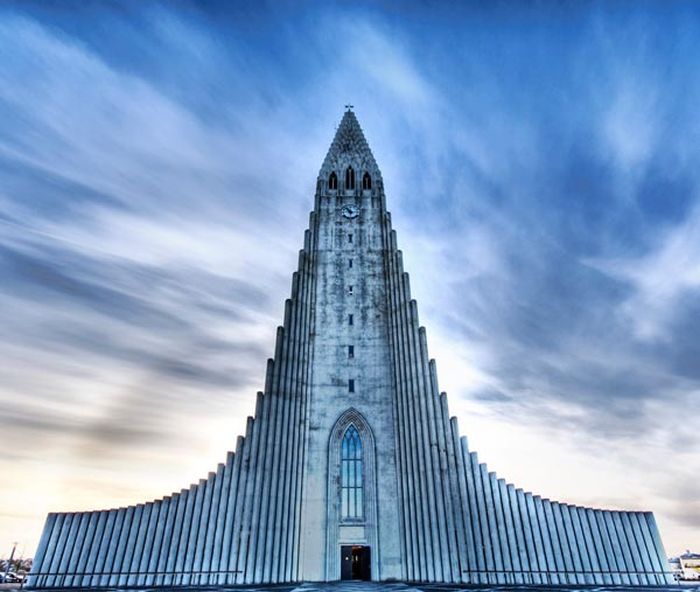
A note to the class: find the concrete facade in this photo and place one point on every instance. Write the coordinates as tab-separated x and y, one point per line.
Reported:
413	501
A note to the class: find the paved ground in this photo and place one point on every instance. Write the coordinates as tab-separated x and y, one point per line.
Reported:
390	587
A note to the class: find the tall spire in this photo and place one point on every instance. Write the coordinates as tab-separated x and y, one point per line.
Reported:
349	148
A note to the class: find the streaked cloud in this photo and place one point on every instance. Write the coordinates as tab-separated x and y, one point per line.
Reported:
157	166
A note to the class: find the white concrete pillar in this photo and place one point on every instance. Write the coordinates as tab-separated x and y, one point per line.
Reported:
144	544
127	566
121	543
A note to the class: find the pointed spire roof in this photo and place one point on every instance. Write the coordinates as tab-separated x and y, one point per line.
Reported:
349	148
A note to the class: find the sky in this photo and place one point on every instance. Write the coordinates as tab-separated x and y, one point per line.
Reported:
157	166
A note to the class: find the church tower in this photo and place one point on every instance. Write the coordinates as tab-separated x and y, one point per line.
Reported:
351	467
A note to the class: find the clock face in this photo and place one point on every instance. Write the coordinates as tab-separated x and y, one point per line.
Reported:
350	211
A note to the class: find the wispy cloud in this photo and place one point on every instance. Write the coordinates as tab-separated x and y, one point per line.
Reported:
156	175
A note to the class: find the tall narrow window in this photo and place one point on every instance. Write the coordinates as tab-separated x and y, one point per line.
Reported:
349	178
350	290
350	237
350	263
351	351
350	319
351	385
333	181
366	181
351	486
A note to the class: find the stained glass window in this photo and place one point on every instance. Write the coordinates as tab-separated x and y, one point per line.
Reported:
351	489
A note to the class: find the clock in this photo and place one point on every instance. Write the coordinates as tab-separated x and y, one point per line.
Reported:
350	211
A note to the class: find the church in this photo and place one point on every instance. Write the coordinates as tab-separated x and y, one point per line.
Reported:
351	466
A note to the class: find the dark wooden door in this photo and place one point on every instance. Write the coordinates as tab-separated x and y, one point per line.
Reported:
346	562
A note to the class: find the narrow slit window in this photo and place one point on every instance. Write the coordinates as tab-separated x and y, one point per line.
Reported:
350	237
350	291
351	385
333	181
351	351
366	181
349	178
350	320
349	263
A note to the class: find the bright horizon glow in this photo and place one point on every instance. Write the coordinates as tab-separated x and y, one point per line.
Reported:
157	167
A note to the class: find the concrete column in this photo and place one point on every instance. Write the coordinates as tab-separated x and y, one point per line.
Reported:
144	542
587	540
658	545
127	566
422	565
514	557
104	549
537	539
81	564
227	556
597	543
562	558
221	521
286	429
550	542
206	568
402	429
164	538
560	536
435	481
112	546
479	576
498	506
486	480
155	538
581	558
72	549
616	553
646	548
610	556
635	563
269	452
469	565
174	544
429	508
237	548
625	555
519	545
639	552
195	533
185	543
218	577
197	578
488	575
116	567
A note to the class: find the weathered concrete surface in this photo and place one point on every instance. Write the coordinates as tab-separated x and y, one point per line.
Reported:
431	512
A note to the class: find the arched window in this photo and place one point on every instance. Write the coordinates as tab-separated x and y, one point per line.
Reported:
366	181
351	504
349	178
333	181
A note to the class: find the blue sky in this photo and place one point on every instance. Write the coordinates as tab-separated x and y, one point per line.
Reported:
157	167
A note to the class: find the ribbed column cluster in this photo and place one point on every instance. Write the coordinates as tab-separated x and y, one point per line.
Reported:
239	525
461	523
457	521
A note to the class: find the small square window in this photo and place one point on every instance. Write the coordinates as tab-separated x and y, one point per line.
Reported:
350	319
351	385
351	351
